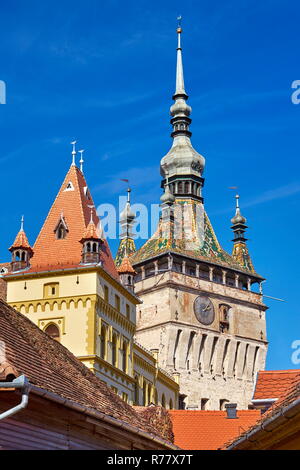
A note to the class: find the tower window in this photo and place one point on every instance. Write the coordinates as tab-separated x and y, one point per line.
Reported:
106	294
203	404
117	302
127	311
51	290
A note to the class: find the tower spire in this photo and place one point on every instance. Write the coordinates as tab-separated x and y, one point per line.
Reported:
185	165
180	90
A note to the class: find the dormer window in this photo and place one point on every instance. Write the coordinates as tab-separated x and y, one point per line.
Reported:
69	186
61	229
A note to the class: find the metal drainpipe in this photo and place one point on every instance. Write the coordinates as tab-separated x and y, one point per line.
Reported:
23	384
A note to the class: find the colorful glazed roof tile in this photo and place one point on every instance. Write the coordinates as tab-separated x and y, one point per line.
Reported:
194	241
25	349
72	203
273	384
126	248
240	254
208	430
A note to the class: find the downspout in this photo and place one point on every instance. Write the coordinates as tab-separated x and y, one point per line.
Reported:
23	384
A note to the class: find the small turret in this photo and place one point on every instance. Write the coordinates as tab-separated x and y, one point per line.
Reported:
240	251
91	242
127	220
127	274
21	250
238	223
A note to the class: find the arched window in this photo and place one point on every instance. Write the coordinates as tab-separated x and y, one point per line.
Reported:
114	350
88	247
155	397
136	390
171	404
163	401
53	331
145	394
124	356
103	342
94	247
149	394
17	255
106	294
23	257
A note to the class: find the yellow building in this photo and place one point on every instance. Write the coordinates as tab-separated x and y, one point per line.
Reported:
69	286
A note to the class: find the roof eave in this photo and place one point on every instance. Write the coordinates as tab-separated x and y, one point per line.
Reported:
101	416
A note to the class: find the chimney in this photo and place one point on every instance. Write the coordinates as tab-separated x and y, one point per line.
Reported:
231	410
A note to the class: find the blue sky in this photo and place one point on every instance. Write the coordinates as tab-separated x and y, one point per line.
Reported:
104	73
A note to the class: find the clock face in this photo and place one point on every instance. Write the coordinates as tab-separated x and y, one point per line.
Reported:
204	310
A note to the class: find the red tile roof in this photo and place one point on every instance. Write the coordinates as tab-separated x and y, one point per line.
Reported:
74	202
208	430
126	267
50	366
288	398
273	383
91	232
21	241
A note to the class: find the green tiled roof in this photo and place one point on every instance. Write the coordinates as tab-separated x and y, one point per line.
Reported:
210	250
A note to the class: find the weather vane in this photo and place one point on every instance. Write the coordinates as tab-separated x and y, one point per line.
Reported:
179	18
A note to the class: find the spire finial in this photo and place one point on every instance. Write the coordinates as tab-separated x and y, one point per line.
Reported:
81	161
180	90
238	219
22	223
128	194
179	31
73	152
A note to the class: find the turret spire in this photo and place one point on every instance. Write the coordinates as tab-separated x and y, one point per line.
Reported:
127	220
81	161
240	251
185	165
238	222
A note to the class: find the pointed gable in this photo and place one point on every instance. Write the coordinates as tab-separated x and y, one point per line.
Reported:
73	206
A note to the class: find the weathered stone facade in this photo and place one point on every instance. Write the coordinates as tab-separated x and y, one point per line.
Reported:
215	364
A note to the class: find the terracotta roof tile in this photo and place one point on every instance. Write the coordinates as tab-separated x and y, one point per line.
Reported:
74	202
125	267
50	366
288	397
91	232
273	383
21	241
208	430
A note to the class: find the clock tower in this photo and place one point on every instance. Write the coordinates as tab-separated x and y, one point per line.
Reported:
202	309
